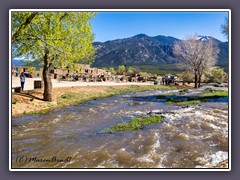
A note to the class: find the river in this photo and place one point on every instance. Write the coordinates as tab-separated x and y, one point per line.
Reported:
193	136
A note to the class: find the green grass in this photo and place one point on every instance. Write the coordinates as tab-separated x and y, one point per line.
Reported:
14	101
77	98
67	96
215	93
184	102
136	88
39	112
134	124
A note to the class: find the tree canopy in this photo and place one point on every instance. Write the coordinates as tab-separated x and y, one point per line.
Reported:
66	35
58	39
225	27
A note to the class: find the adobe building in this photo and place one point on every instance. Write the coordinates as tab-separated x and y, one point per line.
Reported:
17	70
84	72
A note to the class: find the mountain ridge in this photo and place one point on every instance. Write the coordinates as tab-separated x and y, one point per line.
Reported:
142	49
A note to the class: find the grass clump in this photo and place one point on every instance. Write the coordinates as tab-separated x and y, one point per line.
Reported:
183	91
209	90
170	100
188	102
135	103
14	101
135	124
179	101
67	96
215	93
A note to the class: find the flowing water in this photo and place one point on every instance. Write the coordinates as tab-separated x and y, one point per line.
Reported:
194	136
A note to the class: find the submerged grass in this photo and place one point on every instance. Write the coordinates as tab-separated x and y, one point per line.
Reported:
134	124
183	91
208	94
183	102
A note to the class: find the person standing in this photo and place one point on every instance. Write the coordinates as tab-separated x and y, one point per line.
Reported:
163	80
22	80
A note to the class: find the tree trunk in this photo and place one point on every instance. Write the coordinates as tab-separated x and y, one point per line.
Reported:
199	80
47	94
195	78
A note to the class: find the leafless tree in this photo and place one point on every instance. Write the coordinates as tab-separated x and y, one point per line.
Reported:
196	56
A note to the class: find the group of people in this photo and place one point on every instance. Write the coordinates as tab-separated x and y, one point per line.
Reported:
165	80
168	80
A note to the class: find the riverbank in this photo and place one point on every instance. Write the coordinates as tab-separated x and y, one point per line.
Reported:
30	101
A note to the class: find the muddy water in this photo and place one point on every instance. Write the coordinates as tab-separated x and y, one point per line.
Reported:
189	137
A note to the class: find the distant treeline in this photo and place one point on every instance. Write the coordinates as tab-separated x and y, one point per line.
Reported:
165	69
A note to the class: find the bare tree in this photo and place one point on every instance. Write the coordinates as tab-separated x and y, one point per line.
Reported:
196	55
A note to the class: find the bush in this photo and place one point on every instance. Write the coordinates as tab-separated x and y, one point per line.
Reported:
216	75
186	76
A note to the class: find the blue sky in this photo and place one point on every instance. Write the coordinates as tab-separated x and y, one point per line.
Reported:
115	25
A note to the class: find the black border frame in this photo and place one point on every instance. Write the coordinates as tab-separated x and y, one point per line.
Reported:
4	66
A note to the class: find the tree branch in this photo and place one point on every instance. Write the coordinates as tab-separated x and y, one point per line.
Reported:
24	25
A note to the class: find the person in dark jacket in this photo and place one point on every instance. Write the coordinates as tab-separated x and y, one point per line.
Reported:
22	80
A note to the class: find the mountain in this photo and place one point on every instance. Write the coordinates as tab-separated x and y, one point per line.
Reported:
223	54
20	62
207	38
17	62
137	50
145	50
166	40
